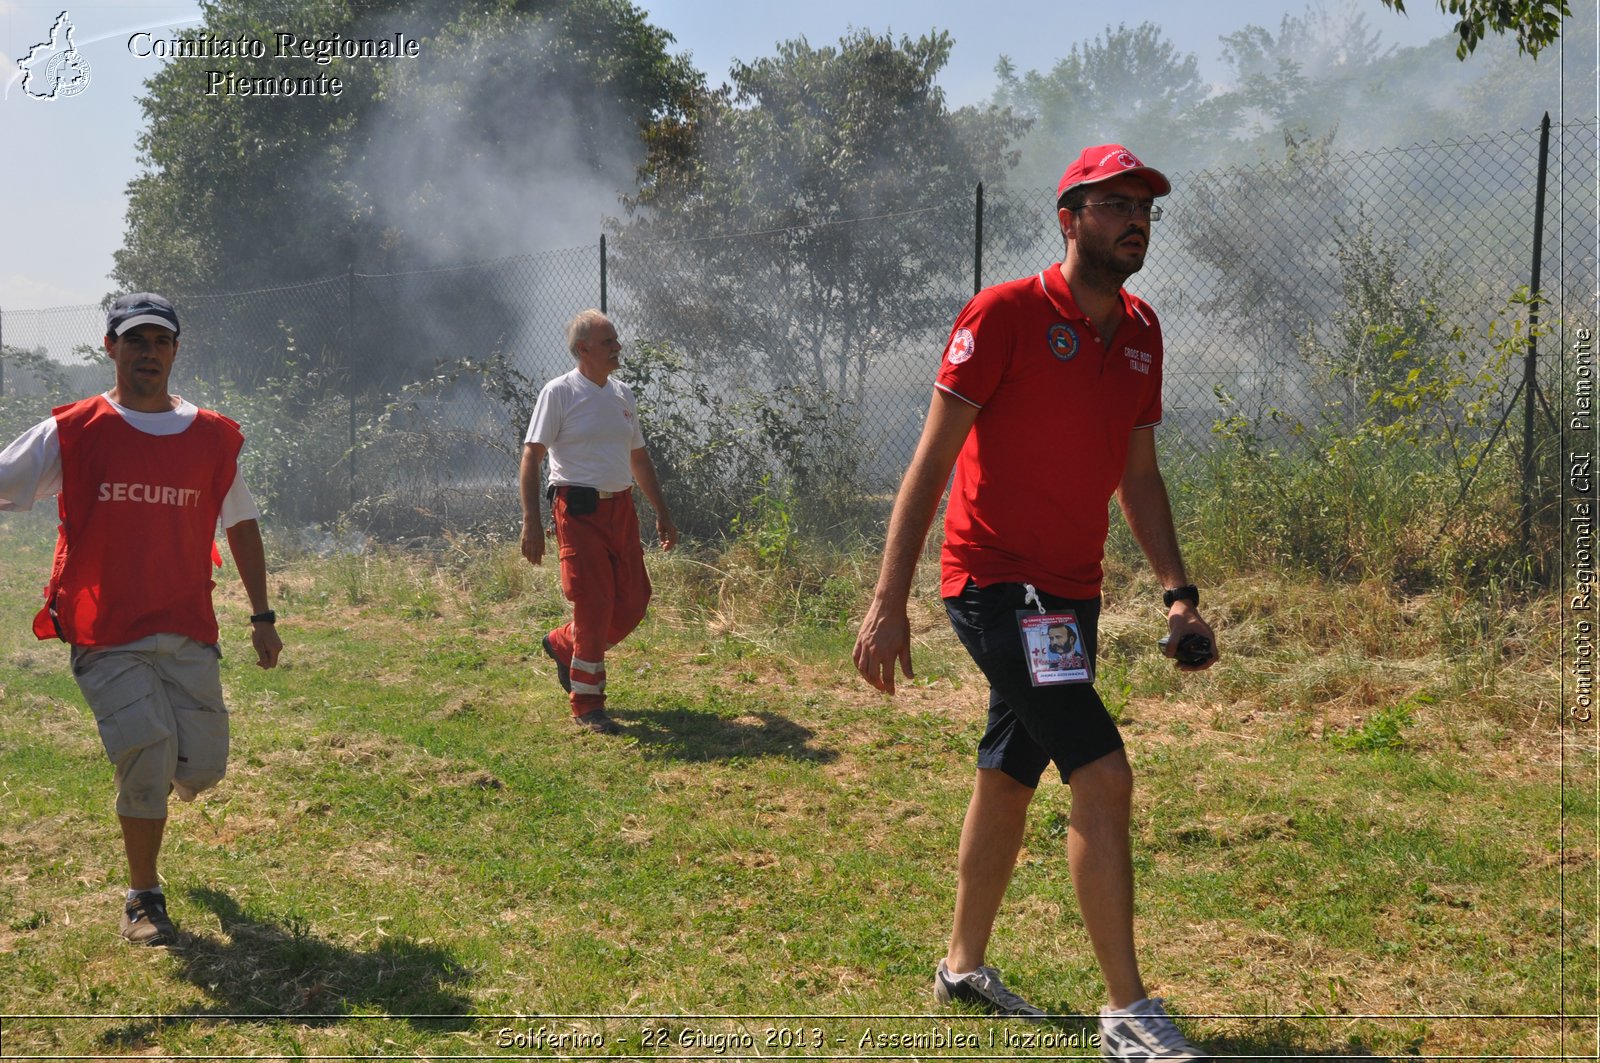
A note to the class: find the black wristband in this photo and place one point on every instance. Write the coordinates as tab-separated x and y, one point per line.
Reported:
268	617
1187	593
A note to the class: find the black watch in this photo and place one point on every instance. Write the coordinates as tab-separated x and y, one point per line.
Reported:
268	617
1187	593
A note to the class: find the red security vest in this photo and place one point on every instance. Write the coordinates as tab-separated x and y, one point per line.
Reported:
138	512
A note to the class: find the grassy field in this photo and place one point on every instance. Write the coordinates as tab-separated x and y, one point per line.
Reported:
1359	828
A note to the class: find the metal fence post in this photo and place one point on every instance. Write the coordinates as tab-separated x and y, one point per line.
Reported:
350	368
602	273
977	243
1530	364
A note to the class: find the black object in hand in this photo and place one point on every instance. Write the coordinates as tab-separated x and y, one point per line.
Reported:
1193	649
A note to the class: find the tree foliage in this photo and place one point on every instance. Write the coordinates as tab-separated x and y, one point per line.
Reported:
1270	235
1131	86
1536	24
848	184
243	192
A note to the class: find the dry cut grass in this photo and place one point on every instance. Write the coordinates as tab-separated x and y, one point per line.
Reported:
1363	824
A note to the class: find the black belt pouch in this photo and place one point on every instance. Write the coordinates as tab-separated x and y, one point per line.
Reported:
581	501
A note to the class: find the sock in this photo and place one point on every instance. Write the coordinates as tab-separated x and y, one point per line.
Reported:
156	889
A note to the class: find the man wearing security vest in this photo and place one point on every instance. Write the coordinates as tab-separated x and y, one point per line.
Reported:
142	479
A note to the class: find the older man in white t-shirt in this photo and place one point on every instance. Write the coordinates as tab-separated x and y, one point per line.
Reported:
588	425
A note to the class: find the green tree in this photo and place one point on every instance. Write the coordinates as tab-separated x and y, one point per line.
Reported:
1511	92
1536	24
1305	78
1269	237
395	172
1326	71
241	192
811	215
1128	85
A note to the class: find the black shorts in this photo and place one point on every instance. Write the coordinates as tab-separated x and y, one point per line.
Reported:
1030	726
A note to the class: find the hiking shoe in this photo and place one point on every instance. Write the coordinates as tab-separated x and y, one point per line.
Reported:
145	922
984	989
563	672
1144	1031
597	721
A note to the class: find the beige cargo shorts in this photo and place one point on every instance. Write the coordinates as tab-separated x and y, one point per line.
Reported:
158	705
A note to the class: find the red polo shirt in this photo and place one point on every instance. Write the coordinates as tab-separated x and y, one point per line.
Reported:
1047	451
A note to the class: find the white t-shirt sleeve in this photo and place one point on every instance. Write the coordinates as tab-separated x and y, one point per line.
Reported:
238	504
545	424
30	468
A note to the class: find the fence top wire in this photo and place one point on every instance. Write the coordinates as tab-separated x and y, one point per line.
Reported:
461	267
1500	139
195	297
335	278
806	227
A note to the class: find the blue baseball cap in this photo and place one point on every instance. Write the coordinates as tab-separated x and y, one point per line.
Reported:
140	308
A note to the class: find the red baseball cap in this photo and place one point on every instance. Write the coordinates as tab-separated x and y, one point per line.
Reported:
1106	161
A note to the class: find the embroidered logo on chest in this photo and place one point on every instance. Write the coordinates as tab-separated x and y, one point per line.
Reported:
1138	361
1063	342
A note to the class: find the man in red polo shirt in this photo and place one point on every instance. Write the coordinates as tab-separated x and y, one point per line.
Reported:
142	479
1069	359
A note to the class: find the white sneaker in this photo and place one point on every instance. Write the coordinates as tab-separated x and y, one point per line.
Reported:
984	989
1144	1032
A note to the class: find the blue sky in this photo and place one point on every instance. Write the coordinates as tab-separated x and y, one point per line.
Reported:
69	159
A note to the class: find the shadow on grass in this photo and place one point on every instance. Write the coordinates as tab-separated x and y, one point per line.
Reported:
1283	1041
1068	1030
684	734
268	970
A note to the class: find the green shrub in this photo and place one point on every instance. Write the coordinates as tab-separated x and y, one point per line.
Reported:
1421	489
783	462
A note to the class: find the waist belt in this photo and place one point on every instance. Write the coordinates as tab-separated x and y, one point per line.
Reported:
598	493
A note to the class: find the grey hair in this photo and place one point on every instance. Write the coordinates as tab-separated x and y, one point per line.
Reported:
578	328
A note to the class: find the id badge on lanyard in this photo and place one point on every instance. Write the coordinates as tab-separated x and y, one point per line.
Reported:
1053	644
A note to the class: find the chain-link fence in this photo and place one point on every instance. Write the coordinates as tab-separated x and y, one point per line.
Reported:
1290	293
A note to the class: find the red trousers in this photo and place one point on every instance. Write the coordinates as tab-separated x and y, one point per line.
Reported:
603	576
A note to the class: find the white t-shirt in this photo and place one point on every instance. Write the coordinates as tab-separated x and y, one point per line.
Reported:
590	431
30	468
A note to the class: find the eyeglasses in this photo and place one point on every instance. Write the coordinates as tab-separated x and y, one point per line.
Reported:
1127	208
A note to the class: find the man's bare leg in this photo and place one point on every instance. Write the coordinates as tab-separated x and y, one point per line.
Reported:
1101	859
991	837
141	840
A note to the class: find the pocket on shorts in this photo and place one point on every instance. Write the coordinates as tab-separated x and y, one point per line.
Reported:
125	708
196	673
985	619
202	746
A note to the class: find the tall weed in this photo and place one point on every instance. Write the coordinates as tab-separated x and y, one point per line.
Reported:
1421	488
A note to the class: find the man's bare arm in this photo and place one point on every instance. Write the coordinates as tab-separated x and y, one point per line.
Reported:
885	636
